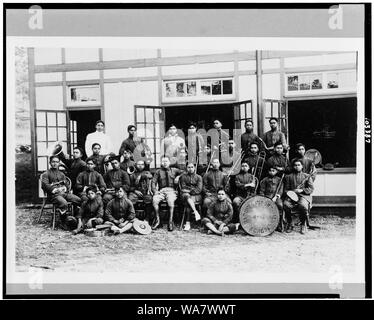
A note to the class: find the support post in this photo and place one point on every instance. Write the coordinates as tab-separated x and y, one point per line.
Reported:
260	109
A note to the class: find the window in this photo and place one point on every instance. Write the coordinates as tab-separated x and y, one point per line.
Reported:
198	90
321	82
84	95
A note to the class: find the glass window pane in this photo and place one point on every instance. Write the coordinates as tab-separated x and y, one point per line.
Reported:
249	109
275	109
157	130
64	146
52	134
304	82
158	145
332	81
316	81
40	119
149	115
205	88
293	83
158	116
62	134
149	131
268	110
41	134
151	144
242	111
227	86
141	130
61	119
51	117
242	125
347	79
217	87
42	163
140	115
42	148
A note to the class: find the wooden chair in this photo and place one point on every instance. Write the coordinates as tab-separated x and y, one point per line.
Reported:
46	202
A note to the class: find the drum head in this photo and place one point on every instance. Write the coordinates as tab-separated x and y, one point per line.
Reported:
141	227
259	216
314	155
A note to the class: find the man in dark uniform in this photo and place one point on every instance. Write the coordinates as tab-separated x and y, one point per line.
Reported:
195	143
223	139
213	180
163	188
97	158
268	188
278	160
219	216
120	212
248	137
191	186
115	178
127	161
203	165
91	212
57	193
308	165
302	184
89	177
273	136
75	166
131	142
140	188
245	184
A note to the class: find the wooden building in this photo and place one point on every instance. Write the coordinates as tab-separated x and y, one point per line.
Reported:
314	95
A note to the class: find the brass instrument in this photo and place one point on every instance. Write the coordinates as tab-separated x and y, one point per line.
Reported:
229	173
61	187
131	170
210	160
257	170
56	150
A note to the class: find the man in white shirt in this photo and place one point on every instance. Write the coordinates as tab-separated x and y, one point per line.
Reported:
98	137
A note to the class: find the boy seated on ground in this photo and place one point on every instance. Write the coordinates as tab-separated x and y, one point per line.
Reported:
191	185
219	216
91	212
87	178
119	213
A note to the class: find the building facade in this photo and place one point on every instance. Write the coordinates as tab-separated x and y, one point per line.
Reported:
313	94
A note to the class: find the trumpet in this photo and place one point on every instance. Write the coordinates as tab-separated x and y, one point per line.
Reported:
131	170
257	170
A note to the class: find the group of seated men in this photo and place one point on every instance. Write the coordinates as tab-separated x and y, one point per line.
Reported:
207	193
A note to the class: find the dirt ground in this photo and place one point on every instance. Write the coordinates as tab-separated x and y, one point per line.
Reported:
162	251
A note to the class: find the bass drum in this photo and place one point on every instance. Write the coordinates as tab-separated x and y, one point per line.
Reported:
259	216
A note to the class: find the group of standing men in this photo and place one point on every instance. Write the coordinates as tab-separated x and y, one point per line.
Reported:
106	187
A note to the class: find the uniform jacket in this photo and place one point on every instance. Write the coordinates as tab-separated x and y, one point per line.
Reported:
129	144
91	209
247	138
119	208
89	178
269	185
76	166
117	178
140	180
51	176
272	137
98	161
221	211
241	180
278	161
308	166
293	180
213	180
164	178
192	182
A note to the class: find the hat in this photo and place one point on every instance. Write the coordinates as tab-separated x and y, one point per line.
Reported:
141	227
115	157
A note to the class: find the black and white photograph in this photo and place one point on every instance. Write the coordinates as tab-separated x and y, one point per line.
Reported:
201	165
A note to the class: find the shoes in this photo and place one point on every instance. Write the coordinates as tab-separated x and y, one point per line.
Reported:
156	223
303	228
187	226
210	232
171	226
289	227
197	216
61	212
115	229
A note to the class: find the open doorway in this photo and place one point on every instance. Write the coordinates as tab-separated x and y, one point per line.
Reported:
202	115
328	125
81	124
